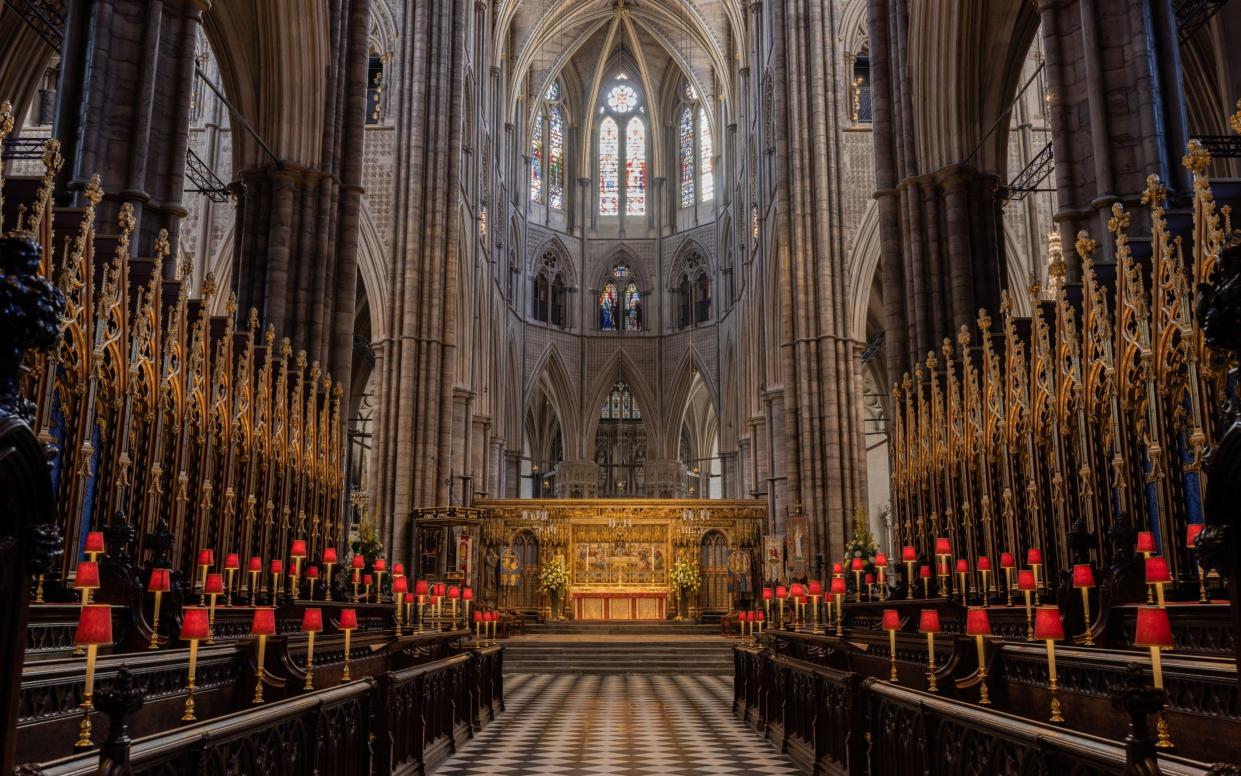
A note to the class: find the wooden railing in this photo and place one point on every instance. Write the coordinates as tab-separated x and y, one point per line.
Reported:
400	721
833	720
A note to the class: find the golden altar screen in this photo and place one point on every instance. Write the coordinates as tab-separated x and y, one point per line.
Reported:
637	556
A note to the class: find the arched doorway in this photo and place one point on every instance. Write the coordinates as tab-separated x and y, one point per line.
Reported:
525	595
714	560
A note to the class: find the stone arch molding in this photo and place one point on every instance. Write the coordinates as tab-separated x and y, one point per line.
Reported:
690	248
559	388
564	262
620	367
691	366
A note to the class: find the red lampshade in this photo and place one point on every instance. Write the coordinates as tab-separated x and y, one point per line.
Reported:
766	594
909	554
891	619
796	590
984	563
367	579
1154	629
277	566
943	546
87	576
348	619
928	622
478	616
381	564
858	564
329	555
838	568
467	594
1146	541
161	581
453	592
1083	575
838	586
881	560
760	616
94	625
312	572
206	557
94	541
1034	556
400	585
312	620
264	623
488	616
214	584
439	589
963	566
870	579
1047	624
782	591
232	561
977	623
420	587
298	550
358	562
1025	580
924	571
195	624
398	569
816	587
256	563
1191	534
1157	570
1007	561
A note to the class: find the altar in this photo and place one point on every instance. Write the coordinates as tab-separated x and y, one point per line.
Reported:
613	604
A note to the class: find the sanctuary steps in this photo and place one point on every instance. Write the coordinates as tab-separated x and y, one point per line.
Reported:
641	647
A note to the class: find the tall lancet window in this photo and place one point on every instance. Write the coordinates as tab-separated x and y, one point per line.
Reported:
695	150
687	157
547	157
622	165
635	167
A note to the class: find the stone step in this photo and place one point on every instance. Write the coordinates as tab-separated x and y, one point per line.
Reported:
635	627
594	650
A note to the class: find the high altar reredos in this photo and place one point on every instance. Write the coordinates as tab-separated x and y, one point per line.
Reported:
616	553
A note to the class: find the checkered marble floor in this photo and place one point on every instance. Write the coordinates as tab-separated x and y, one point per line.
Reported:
636	725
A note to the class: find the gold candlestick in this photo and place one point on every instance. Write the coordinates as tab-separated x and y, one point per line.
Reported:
344	675
1086	607
930	662
258	685
909	576
984	698
310	661
154	642
188	716
1051	673
892	677
1029	618
84	729
840	615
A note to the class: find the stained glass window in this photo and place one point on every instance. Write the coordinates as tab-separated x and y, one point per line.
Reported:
687	157
622	98
707	150
609	167
553	92
633	308
536	161
619	405
607	308
635	167
555	158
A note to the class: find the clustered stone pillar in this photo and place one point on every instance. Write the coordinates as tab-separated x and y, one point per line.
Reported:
413	451
135	138
296	244
821	423
1116	107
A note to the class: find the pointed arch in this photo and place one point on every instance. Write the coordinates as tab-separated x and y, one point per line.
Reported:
564	261
692	366
620	368
550	373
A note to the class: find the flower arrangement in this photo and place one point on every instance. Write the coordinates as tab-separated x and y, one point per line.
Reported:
685	574
862	545
553	576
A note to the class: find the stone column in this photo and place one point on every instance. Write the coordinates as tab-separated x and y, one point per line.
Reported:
822	442
414	447
296	239
123	110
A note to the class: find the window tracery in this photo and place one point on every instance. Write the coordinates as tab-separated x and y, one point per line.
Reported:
547	151
623	171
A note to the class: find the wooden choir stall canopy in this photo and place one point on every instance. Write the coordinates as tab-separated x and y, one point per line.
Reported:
617	553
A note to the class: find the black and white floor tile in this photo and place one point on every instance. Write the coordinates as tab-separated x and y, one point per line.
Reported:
635	725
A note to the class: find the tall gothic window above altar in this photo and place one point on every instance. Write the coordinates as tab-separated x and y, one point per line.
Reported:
622	166
695	151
